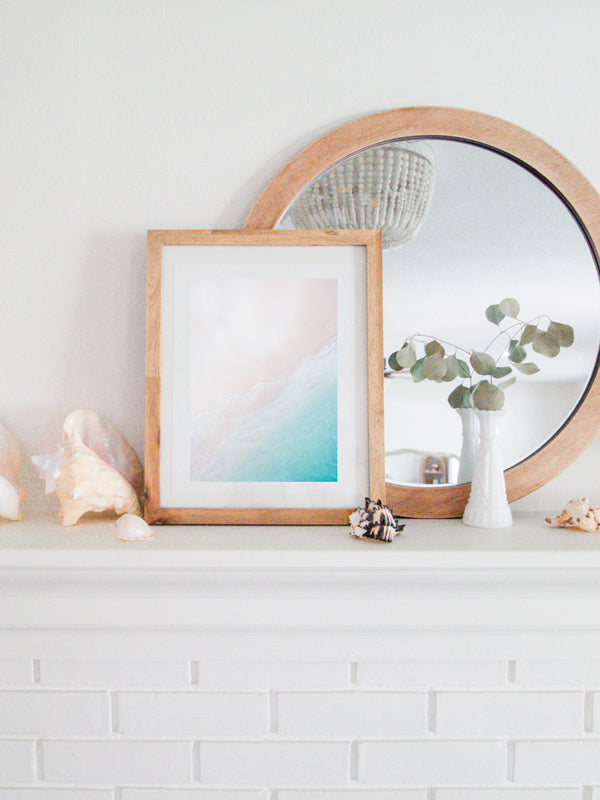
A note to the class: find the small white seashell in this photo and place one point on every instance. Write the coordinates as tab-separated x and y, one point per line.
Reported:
132	528
11	493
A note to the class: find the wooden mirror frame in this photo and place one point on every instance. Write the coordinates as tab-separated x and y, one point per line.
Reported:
533	154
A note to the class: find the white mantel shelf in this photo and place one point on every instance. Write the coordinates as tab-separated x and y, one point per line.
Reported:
530	543
438	575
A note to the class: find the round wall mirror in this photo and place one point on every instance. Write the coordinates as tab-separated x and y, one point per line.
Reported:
492	212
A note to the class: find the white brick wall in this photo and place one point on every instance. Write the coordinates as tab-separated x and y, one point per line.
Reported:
564	761
449	729
270	674
41	713
298	763
17	761
192	794
431	673
100	762
521	793
16	672
509	713
355	794
432	761
562	672
40	793
193	713
351	713
60	672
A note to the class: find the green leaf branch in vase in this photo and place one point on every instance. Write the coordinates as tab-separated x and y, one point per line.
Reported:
481	372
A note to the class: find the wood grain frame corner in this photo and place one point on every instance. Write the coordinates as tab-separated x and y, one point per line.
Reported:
154	513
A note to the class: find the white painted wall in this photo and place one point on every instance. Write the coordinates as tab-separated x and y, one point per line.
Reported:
134	114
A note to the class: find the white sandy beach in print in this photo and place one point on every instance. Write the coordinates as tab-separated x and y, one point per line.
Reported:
263	379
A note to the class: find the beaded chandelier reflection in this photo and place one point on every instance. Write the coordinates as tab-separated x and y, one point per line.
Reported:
386	188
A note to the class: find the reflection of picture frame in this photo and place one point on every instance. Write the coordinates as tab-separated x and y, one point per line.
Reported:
264	376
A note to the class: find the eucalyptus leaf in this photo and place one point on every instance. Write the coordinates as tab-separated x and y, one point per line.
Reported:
463	369
488	397
545	344
563	334
416	371
460	397
529	368
494	314
451	368
433	347
434	367
528	335
407	355
516	353
393	362
510	307
483	363
501	372
509	382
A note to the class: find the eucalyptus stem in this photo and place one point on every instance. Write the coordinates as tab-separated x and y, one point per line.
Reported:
505	332
422	337
519	325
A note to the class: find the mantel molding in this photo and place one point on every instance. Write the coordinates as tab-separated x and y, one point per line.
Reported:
437	575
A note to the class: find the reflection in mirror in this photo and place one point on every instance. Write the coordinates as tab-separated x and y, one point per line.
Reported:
387	187
492	230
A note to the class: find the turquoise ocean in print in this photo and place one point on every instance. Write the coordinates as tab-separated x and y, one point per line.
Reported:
279	430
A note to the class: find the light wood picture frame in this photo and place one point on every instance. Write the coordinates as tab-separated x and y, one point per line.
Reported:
264	376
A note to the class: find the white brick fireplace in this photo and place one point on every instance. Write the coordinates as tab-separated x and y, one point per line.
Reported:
299	664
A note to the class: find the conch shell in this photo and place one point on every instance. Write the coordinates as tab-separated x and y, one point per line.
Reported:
95	469
579	514
11	493
106	442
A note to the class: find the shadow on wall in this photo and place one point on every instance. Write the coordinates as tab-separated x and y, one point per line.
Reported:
103	367
236	211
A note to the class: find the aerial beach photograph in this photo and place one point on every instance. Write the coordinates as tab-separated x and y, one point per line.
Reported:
263	397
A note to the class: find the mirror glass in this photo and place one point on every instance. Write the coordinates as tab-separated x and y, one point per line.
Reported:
493	230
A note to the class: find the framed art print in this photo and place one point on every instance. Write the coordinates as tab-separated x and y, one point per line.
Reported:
264	376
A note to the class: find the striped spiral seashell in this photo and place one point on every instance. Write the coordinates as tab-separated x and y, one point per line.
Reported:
374	521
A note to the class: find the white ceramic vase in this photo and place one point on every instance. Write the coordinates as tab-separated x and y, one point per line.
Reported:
488	505
470	444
